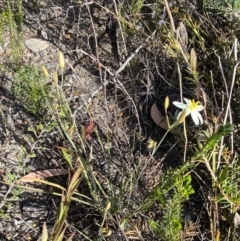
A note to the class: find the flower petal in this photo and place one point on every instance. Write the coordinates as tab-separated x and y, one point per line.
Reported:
195	117
199	117
199	108
180	105
187	101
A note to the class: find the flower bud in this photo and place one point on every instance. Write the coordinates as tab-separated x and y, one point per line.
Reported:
45	71
55	77
166	102
61	60
108	206
182	117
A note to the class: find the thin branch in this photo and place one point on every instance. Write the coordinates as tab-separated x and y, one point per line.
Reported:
170	16
120	69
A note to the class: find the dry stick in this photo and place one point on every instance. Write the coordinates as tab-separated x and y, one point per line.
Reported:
226	89
170	16
235	70
16	178
179	74
184	123
214	97
71	7
110	11
223	76
120	27
159	162
123	66
98	60
215	166
228	109
113	75
8	192
123	40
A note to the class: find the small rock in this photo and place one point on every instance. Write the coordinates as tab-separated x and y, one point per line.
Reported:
36	45
34	209
44	34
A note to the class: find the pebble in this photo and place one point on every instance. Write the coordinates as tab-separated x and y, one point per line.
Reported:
34	209
36	45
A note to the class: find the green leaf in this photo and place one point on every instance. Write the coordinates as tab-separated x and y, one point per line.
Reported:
67	157
216	137
223	174
154	226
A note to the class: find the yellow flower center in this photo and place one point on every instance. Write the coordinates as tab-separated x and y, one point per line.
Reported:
193	105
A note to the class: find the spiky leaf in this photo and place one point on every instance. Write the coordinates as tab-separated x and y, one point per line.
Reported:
216	137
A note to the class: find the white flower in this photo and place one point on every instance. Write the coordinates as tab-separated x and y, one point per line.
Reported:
191	107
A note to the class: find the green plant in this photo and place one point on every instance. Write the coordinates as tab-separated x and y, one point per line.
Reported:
3	21
11	181
11	18
229	9
31	90
171	193
131	16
